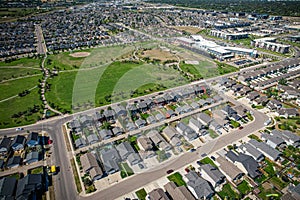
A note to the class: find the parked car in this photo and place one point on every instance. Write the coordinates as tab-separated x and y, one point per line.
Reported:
19	129
170	171
241	127
213	158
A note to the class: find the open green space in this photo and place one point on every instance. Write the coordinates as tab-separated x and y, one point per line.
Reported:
141	194
227	192
207	160
103	85
11	88
190	69
20	110
177	179
23	62
12	73
244	187
212	134
37	170
76	177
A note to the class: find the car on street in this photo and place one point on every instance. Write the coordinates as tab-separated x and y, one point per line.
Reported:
170	171
19	129
241	127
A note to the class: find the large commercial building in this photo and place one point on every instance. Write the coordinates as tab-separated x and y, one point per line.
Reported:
228	36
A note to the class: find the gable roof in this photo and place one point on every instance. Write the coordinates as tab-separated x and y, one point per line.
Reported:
178	193
7	187
124	149
213	172
28	185
265	149
5	143
33	136
228	168
88	161
201	187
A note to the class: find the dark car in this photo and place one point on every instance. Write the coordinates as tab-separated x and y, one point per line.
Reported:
213	158
241	127
170	171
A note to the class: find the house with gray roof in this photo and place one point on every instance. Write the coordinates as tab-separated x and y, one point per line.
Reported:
187	108
31	157
32	139
194	105
142	106
289	137
120	110
5	146
203	102
187	131
246	163
212	174
288	112
134	158
170	113
105	134
90	165
130	126
133	110
140	123
215	126
125	149
151	119
92	138
232	172
172	136
180	193
273	141
18	143
267	150
145	143
7	187
110	159
117	131
158	140
80	142
13	162
109	115
160	117
179	110
199	187
251	151
196	125
204	118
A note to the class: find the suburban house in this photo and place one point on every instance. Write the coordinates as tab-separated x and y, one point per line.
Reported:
187	131
109	115
261	100
90	165
241	111
134	158
215	126
80	142
212	174
253	95
125	149
99	117
29	187
203	102
288	112
105	134
273	140
117	131
142	106
140	123
110	159
246	163
120	110
289	137
159	141
249	150
146	147
220	117
170	113
204	118
133	110
151	119
196	125
5	146
180	193
130	126
14	162
232	172
32	139
18	143
160	117
274	104
171	136
31	157
293	193
267	150
7	187
157	194
92	138
85	120
194	105
199	187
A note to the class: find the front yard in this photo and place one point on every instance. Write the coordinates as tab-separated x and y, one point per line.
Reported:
177	179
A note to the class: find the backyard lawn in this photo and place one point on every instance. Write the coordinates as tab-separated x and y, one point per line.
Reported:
244	187
227	192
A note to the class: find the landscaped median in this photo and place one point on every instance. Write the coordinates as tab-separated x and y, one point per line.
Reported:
76	177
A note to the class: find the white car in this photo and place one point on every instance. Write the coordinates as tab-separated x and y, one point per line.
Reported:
19	129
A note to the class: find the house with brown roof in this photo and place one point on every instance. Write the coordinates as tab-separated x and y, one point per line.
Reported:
178	193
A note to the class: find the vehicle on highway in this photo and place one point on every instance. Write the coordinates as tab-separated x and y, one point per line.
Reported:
170	171
19	129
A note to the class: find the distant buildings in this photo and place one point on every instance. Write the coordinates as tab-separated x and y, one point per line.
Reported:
270	44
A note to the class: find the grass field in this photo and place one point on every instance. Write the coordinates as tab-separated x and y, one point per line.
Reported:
177	179
17	105
14	87
11	73
158	54
23	62
188	29
108	84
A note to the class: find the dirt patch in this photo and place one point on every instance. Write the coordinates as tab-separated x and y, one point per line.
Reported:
188	29
158	54
80	54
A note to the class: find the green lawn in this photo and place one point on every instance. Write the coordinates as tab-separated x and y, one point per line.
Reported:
104	85
269	168
261	179
255	137
212	134
141	194
207	160
244	187
23	62
190	69
264	192
125	170
15	87
227	192
20	105
11	73
235	124
38	170
278	182
177	179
